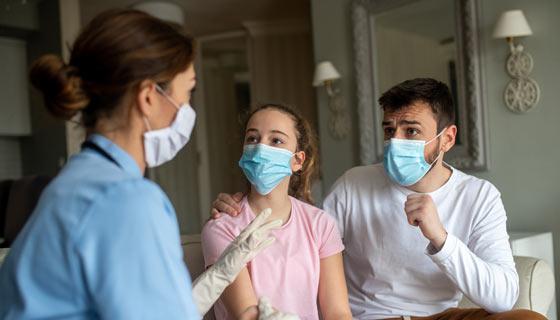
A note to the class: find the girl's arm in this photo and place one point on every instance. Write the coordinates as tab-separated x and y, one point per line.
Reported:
333	295
240	295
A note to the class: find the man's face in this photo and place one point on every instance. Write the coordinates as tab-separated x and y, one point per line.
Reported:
414	122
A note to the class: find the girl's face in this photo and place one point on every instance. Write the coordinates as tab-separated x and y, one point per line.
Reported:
276	129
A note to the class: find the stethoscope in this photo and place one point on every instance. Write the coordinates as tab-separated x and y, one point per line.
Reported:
90	145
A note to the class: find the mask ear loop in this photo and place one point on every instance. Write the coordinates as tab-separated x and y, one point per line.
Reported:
166	96
440	153
163	93
147	123
300	171
439	134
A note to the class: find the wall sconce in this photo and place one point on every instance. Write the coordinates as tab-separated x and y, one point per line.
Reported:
522	93
339	122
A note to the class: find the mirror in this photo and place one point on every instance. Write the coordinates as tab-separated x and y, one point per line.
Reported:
396	40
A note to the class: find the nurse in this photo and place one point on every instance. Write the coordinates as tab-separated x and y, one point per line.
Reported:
104	241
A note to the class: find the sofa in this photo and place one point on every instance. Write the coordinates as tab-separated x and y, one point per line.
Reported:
536	279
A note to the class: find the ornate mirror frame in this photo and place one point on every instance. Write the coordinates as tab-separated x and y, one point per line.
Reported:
472	153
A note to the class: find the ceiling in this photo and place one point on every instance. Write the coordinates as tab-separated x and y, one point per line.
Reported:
205	17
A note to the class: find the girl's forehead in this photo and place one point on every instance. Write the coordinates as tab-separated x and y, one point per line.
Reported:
271	119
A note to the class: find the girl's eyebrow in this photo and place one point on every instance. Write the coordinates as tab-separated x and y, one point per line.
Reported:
280	132
272	131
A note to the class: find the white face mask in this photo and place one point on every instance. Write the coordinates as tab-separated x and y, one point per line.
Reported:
163	144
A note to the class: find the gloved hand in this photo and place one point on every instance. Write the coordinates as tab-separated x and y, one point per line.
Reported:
267	312
208	287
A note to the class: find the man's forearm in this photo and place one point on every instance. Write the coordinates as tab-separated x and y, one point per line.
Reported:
493	286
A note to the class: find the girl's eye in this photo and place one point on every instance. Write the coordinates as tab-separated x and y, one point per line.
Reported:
277	141
251	139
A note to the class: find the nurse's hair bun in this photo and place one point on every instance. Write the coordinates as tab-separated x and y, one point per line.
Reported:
60	84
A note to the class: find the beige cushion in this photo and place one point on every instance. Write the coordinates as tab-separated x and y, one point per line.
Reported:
3	254
536	285
192	254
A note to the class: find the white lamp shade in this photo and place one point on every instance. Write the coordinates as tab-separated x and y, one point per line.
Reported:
512	23
323	72
166	11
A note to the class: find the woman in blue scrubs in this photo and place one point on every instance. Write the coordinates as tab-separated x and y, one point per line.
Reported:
103	241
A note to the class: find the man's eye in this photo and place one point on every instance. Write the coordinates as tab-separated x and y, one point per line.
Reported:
389	131
412	131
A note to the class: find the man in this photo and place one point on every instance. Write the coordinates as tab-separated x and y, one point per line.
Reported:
418	233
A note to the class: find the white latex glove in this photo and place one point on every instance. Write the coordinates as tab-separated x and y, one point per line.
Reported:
267	312
208	287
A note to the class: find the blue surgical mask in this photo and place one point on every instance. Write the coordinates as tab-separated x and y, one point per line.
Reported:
404	160
265	166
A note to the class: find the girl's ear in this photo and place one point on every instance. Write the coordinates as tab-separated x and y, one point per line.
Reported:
298	160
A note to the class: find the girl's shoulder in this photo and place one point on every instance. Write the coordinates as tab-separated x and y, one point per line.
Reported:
228	224
310	212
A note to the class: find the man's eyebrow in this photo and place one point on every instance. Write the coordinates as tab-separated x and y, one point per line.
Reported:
409	122
401	122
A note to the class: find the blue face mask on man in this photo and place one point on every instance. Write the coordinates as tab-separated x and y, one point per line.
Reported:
265	166
404	160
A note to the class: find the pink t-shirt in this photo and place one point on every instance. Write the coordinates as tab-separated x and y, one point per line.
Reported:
288	271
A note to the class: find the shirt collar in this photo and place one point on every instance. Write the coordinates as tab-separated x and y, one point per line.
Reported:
121	157
439	190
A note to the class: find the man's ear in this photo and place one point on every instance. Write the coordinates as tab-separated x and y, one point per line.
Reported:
448	139
146	97
299	159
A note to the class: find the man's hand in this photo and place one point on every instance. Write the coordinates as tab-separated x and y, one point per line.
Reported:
421	211
226	203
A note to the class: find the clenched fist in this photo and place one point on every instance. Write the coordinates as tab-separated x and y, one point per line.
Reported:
421	211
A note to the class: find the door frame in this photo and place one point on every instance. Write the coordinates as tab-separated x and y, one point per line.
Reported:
205	197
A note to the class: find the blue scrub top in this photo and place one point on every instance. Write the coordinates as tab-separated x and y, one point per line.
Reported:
102	243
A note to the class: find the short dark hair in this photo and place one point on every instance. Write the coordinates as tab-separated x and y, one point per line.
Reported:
433	92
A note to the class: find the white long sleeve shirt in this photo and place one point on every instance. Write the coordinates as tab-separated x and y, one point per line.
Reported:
389	268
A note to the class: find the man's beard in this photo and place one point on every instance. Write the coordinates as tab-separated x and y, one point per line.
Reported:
432	157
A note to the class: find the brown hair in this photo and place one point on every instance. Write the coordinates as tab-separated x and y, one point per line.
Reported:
300	181
433	92
112	55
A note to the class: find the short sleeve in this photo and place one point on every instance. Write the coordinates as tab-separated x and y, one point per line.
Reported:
131	257
335	204
216	236
330	242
